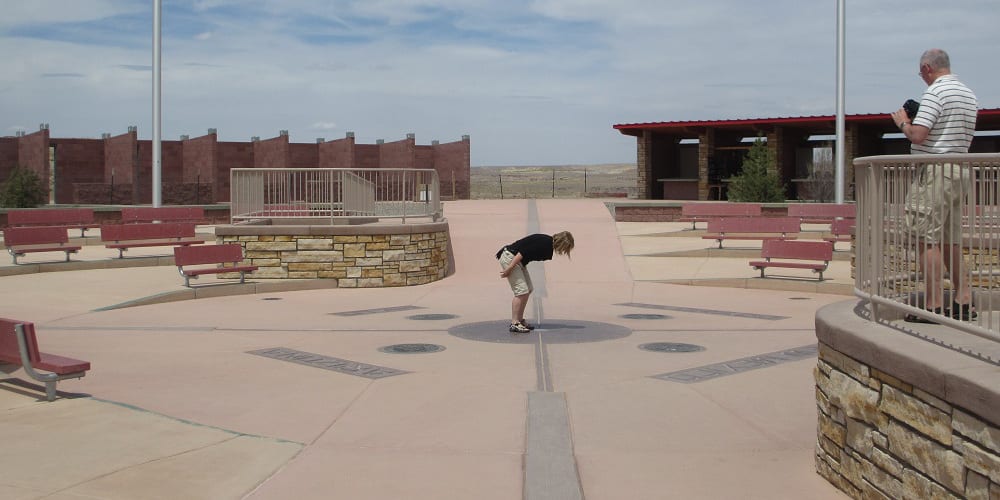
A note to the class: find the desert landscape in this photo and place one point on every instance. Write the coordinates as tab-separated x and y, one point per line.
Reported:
554	181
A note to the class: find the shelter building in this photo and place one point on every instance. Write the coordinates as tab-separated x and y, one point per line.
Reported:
692	160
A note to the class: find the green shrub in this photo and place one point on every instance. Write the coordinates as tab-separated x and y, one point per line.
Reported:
758	182
22	189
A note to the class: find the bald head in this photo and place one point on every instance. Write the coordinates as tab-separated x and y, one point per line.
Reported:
937	59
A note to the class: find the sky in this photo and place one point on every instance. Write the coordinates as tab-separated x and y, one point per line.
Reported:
532	82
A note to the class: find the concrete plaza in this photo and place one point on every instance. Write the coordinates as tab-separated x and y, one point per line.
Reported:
283	391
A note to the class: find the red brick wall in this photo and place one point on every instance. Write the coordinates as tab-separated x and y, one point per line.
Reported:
423	157
121	158
303	155
230	155
8	156
398	154
77	160
366	156
271	153
337	154
199	159
452	161
33	154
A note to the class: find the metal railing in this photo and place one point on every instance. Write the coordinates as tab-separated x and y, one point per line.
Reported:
333	195
903	234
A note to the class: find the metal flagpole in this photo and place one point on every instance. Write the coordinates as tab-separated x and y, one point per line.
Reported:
840	156
157	156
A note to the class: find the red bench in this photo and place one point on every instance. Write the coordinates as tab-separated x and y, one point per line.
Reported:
841	230
217	255
125	236
752	228
703	212
19	348
821	213
75	218
23	240
814	255
132	215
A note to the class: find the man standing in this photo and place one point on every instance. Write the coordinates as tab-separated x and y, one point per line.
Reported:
945	123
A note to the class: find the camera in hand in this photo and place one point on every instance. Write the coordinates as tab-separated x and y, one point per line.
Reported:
911	108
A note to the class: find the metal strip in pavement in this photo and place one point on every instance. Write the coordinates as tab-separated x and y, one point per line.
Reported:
726	368
378	310
550	471
327	362
697	310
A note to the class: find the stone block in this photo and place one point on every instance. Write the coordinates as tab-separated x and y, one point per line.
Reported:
270	246
931	400
829	447
969	426
353	272
870	492
885	378
859	437
271	273
917	486
977	486
393	255
822	402
371	273
378	245
303	275
856	399
345	239
370	283
917	414
315	244
368	262
314	256
394	279
410	266
347	283
399	240
940	464
262	255
354	250
307	266
981	461
266	262
335	273
887	463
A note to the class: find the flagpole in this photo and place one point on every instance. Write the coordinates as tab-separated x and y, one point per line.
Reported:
840	155
157	156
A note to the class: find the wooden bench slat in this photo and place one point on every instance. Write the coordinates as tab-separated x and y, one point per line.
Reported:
124	236
752	228
703	212
70	218
132	215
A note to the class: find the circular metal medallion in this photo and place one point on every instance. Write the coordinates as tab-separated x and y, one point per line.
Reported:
799	298
411	348
271	298
432	317
670	347
553	331
644	316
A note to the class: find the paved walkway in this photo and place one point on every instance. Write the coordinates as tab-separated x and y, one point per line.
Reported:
289	394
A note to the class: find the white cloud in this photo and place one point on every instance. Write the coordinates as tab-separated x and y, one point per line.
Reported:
532	81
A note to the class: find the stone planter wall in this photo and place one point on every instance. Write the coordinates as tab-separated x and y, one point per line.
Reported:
355	256
880	435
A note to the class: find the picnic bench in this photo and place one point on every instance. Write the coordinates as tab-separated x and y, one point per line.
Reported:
752	228
74	218
216	255
19	349
814	255
840	230
23	240
124	236
133	215
703	212
821	213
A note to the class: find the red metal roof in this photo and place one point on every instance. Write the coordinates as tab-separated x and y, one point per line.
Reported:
988	119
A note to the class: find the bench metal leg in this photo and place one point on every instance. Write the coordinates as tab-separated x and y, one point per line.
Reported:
50	390
242	277
121	253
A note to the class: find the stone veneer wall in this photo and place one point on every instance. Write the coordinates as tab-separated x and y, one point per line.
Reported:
368	256
880	435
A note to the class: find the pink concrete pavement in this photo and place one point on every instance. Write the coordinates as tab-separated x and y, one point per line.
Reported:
179	409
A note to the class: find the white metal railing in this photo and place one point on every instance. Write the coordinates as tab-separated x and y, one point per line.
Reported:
896	230
329	195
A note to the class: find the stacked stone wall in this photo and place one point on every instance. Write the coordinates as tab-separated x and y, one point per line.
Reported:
354	260
881	437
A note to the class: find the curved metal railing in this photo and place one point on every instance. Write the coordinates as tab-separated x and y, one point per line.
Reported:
333	195
889	243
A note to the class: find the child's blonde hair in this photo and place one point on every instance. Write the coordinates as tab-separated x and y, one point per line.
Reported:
562	243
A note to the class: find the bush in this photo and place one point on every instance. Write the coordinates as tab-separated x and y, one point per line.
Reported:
758	182
22	189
